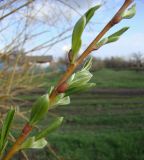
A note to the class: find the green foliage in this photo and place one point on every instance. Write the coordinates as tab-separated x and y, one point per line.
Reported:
103	131
109	78
61	99
112	38
78	30
88	64
5	129
130	12
104	146
39	109
33	143
96	128
79	81
119	33
76	36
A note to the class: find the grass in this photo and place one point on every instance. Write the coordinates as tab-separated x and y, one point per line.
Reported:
104	126
106	146
107	78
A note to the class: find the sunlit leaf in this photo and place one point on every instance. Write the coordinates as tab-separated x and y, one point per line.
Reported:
33	143
62	100
81	77
88	64
102	42
80	80
89	14
119	33
76	36
130	12
78	30
39	109
112	38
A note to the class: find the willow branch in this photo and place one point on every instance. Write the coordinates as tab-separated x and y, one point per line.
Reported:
27	129
115	20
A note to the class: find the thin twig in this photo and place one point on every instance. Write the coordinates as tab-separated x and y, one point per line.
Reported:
116	19
27	129
15	10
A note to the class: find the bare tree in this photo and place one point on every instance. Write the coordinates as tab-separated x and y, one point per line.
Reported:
138	59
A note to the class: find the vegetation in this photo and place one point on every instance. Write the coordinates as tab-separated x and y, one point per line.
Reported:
106	126
100	130
72	82
119	78
109	78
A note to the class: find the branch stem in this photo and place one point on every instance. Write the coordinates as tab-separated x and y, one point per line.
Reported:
25	132
115	20
27	129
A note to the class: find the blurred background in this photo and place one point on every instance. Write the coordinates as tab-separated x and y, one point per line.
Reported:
105	123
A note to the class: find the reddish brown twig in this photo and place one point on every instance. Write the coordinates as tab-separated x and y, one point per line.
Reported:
27	129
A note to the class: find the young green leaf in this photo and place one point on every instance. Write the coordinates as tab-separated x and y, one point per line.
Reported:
39	109
89	14
76	36
50	90
80	78
102	42
119	33
130	12
78	89
5	128
112	38
71	78
52	127
62	100
78	30
79	81
33	143
88	64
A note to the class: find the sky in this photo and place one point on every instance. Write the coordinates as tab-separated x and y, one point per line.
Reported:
129	43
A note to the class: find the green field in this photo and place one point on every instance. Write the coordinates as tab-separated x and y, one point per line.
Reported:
103	125
108	78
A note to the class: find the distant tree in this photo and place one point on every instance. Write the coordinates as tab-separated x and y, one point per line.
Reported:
138	59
